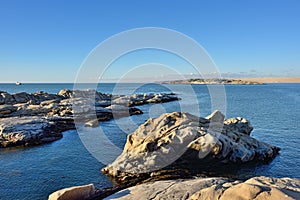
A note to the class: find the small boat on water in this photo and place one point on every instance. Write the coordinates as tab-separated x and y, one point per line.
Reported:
18	83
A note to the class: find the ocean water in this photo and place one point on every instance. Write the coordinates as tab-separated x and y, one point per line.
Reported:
35	172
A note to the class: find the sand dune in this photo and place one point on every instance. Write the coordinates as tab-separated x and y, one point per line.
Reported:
274	79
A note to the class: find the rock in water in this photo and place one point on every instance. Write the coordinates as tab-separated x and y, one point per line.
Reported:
181	140
92	123
28	131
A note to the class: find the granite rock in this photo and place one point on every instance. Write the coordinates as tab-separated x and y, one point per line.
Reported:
181	140
258	188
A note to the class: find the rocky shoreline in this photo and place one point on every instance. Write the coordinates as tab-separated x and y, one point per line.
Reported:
213	188
214	82
259	188
177	156
32	119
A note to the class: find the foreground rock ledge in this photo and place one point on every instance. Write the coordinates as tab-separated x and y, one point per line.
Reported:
180	144
32	119
258	188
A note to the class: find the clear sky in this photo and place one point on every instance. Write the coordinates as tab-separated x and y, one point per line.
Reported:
47	40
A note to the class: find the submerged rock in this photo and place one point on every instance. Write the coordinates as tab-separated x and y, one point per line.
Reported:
259	188
184	141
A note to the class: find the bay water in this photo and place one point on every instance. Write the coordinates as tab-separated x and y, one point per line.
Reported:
35	172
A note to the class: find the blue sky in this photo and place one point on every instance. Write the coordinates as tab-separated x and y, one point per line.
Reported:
46	41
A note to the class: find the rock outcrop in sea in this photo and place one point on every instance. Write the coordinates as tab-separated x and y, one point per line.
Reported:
31	119
179	144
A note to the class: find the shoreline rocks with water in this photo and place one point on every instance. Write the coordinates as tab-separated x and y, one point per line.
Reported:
209	188
31	119
160	158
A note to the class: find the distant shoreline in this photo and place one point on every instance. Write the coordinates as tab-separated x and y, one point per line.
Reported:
236	81
214	81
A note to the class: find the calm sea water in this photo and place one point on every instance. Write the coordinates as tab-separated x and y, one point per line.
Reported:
35	172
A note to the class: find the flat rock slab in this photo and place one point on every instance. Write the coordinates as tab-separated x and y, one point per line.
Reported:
16	131
258	188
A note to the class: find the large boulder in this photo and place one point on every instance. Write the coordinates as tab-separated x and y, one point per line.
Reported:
181	140
74	193
258	188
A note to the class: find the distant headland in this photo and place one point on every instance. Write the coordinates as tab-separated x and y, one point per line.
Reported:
236	81
213	81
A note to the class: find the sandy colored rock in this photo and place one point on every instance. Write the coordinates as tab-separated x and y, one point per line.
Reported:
73	193
213	189
170	189
180	139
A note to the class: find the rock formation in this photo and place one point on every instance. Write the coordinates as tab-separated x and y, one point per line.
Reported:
258	188
27	131
159	158
74	193
186	143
